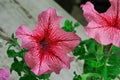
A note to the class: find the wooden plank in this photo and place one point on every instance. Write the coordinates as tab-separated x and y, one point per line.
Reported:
16	12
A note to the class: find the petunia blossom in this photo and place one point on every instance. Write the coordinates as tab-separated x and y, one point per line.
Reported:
103	27
48	44
4	74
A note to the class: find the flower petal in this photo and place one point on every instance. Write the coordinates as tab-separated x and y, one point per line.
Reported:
48	20
29	38
103	27
89	12
102	34
105	18
57	60
114	8
22	31
67	40
112	15
116	40
35	60
49	25
4	74
52	60
41	68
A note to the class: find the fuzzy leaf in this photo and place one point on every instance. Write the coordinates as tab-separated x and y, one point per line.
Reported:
28	77
115	49
114	66
44	76
86	49
76	76
11	53
69	26
17	66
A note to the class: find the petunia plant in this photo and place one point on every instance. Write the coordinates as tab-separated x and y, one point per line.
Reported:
45	49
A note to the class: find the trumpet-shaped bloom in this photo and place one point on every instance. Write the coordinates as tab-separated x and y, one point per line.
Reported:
103	27
4	74
48	44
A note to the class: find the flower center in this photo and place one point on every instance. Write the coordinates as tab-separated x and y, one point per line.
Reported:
116	24
43	44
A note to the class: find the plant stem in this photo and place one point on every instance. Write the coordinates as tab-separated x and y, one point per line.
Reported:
105	71
108	50
4	36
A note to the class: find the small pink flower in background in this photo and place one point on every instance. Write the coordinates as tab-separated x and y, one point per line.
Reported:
48	44
4	74
103	27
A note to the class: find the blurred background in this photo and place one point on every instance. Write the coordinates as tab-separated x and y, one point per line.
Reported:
73	7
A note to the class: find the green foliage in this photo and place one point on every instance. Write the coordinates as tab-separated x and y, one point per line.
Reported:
11	53
88	76
17	53
69	26
13	43
18	66
98	60
28	77
31	76
76	76
44	76
114	66
86	49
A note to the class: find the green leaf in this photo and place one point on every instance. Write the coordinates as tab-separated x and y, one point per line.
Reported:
13	43
22	52
100	52
87	76
76	76
31	76
11	53
44	76
28	77
90	75
114	66
17	66
104	72
12	36
86	49
69	27
115	49
79	51
94	64
91	45
76	24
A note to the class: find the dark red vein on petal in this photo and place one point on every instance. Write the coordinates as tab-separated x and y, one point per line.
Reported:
53	53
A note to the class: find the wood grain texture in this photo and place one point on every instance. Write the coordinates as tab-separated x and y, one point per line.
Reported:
13	13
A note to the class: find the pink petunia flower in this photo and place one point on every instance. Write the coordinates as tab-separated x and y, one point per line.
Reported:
4	74
103	27
48	44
